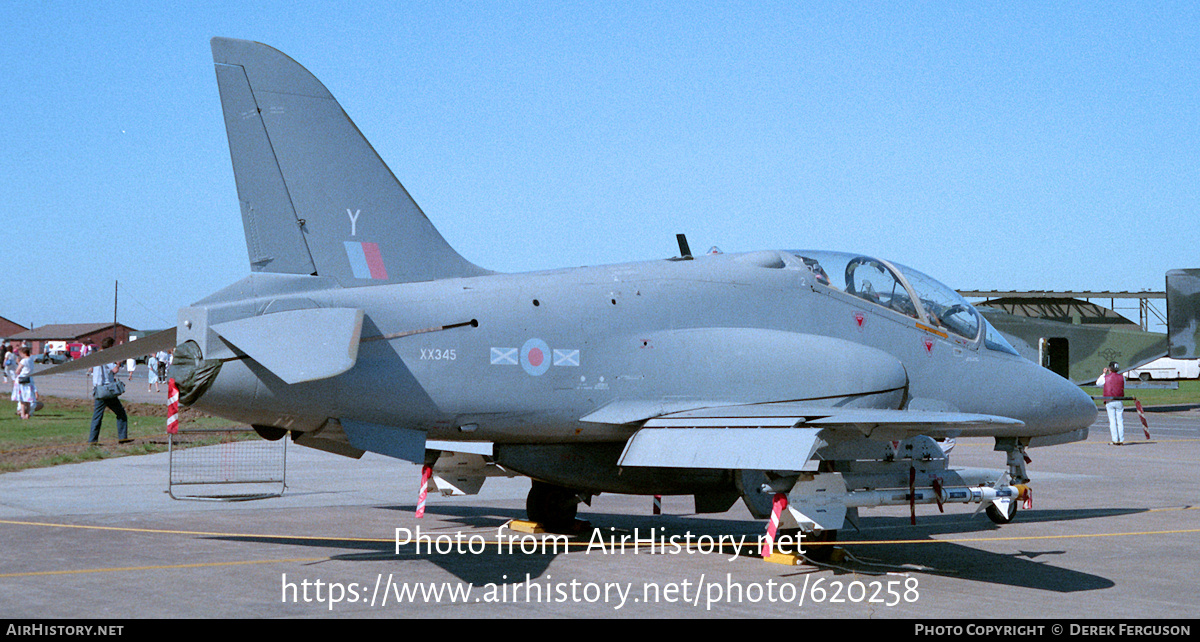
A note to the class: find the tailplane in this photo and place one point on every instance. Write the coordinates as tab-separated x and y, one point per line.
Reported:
315	197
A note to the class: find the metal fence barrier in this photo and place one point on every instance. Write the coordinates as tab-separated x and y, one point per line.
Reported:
225	464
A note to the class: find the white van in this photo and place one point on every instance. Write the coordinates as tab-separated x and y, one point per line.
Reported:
1166	368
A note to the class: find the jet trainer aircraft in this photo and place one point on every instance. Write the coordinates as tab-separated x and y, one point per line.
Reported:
824	376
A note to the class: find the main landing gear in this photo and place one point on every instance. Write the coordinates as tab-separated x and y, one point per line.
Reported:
554	507
793	540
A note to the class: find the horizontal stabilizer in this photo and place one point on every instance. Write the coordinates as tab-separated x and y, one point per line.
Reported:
745	448
299	345
150	344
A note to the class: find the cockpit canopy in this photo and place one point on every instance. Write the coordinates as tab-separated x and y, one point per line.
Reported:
905	291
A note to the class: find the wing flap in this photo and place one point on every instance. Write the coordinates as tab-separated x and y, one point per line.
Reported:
784	436
867	421
734	448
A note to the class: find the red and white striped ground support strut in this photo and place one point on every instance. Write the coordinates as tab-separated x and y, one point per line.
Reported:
658	504
1142	416
779	503
172	407
426	473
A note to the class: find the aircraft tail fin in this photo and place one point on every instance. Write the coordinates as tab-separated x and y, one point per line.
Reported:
315	197
1183	313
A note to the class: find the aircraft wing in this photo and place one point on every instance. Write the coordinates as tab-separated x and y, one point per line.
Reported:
150	344
785	436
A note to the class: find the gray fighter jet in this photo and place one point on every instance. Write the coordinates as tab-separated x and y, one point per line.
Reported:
826	378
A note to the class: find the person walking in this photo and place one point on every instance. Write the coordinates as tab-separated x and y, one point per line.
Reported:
101	377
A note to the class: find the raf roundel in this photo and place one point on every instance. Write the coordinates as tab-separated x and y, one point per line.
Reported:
535	357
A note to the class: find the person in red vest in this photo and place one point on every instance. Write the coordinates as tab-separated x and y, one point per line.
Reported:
1113	383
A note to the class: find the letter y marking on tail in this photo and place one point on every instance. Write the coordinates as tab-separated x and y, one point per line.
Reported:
353	221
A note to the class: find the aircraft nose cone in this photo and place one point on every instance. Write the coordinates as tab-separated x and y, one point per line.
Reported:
1080	409
1067	406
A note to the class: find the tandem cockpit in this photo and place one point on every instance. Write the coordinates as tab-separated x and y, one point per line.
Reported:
904	291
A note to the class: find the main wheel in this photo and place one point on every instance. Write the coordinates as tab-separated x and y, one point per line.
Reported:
1000	516
795	541
555	507
824	551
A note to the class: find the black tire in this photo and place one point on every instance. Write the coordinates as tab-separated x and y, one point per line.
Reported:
1145	376
555	507
820	553
999	517
823	552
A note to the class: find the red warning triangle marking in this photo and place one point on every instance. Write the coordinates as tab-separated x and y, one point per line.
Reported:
859	317
929	346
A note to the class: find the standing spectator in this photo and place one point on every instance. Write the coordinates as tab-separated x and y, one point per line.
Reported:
10	364
131	365
24	392
5	350
162	357
102	375
1113	383
87	349
152	377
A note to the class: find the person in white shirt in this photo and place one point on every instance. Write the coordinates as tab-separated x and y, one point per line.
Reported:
24	391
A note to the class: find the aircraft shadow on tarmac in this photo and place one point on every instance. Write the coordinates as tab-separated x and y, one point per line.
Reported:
1029	567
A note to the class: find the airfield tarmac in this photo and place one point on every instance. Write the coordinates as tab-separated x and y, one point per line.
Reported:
1111	535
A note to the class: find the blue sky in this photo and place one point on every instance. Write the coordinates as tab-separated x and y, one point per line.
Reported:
990	145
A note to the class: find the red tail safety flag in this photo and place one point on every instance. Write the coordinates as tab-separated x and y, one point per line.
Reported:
172	407
1142	416
777	505
426	473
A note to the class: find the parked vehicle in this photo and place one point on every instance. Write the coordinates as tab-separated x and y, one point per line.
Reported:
1166	368
51	357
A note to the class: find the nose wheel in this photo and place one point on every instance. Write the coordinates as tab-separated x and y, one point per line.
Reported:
1001	511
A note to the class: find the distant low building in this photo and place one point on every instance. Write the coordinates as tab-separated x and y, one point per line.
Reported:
9	328
70	333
